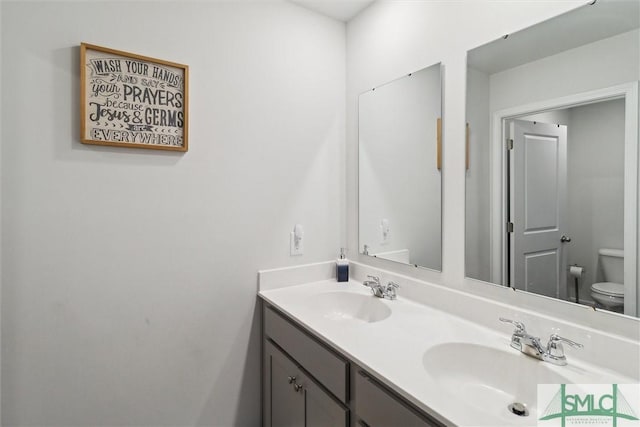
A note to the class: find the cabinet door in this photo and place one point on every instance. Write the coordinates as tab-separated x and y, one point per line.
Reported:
284	406
320	409
292	399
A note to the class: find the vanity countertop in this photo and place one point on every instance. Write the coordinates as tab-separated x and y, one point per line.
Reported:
398	349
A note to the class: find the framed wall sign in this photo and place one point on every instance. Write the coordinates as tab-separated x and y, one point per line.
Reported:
129	100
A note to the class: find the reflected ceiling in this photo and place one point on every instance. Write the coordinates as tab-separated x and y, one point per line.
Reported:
580	26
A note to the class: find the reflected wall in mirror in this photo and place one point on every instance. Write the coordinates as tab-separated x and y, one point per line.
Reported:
399	183
552	187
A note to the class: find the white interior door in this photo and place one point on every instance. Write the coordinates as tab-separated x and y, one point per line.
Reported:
537	207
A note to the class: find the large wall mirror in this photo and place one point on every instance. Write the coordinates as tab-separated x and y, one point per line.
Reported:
399	182
552	173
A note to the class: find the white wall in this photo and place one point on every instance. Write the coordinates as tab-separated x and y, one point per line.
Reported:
390	39
399	127
129	279
595	178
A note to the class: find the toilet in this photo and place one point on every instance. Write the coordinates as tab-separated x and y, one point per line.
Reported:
609	294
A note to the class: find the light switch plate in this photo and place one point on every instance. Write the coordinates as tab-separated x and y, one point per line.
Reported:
293	249
385	231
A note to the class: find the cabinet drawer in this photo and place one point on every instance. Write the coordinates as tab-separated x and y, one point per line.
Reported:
376	407
326	366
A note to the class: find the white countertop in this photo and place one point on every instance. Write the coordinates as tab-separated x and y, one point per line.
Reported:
393	350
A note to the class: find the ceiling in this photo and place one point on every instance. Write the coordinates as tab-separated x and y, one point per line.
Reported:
577	27
342	10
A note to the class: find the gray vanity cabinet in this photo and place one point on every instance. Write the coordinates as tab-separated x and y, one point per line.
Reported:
295	399
304	383
307	384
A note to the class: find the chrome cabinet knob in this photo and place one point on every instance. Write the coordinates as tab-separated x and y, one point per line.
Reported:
291	379
297	387
565	239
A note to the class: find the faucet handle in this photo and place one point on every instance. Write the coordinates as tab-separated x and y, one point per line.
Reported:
520	328
374	278
556	339
390	290
555	351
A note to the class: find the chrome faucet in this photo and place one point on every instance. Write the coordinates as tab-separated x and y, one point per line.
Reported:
379	290
531	346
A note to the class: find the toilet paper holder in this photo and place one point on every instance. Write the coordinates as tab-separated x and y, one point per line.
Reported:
576	271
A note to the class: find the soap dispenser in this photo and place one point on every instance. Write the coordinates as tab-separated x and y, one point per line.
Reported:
342	267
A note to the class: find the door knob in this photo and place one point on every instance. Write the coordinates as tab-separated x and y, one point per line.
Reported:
565	239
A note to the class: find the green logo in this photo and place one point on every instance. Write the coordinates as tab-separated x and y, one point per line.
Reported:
612	405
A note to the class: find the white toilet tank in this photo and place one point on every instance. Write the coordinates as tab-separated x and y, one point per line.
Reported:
612	264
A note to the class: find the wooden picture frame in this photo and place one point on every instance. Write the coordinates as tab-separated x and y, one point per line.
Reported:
129	100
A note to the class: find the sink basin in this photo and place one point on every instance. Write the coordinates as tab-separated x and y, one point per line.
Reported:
489	379
341	305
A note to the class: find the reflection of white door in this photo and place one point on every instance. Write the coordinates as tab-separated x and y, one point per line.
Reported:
537	193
